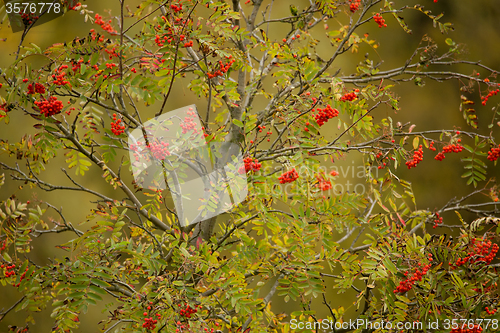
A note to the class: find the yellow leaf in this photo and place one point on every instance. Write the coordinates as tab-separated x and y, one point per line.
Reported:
416	141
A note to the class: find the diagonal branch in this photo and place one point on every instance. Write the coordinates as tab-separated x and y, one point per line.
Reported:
157	222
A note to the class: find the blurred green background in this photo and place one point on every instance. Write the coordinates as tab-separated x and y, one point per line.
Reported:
434	106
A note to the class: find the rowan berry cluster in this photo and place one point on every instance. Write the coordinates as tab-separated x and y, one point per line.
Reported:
437	221
49	107
418	156
9	270
452	148
188	311
382	166
189	124
22	277
161	42
36	88
379	20
60	76
159	150
104	25
491	93
407	284
490	312
4	245
325	114
260	128
289	176
306	128
3	108
494	154
94	36
182	327
350	96
176	8
77	65
431	146
99	72
474	329
223	68
149	322
354	5
387	158
116	127
27	17
323	184
251	164
172	31
204	133
76	6
482	252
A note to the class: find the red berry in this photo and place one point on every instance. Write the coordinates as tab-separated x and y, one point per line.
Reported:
379	20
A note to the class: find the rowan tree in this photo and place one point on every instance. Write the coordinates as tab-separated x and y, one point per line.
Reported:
261	83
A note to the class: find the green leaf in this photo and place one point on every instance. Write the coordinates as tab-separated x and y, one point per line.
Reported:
37	48
238	123
100	283
94	59
467	174
6	257
80	279
78	286
94	296
91	301
97	290
390	266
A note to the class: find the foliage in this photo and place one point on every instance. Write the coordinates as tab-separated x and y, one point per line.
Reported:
292	113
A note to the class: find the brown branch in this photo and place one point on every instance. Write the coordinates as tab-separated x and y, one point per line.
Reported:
4	313
176	54
50	187
146	16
